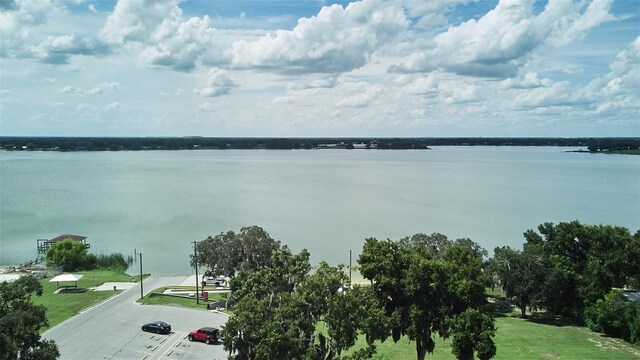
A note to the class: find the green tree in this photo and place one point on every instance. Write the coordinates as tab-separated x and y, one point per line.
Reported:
422	287
277	310
558	292
230	252
20	322
583	263
71	255
615	316
354	311
434	245
473	331
520	274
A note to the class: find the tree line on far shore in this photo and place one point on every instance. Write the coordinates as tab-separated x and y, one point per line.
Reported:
24	143
421	286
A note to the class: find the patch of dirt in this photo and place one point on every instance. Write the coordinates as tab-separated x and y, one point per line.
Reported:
549	356
607	344
501	305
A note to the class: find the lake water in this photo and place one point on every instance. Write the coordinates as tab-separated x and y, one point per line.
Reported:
327	201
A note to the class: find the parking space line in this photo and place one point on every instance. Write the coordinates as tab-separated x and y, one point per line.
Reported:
166	346
192	353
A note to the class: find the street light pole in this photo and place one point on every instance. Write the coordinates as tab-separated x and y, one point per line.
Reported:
195	260
349	267
141	289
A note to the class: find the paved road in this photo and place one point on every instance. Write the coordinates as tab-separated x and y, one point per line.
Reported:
111	330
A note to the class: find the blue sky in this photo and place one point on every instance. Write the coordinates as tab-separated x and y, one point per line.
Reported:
320	68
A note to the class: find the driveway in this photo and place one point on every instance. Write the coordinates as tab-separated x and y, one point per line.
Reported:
111	330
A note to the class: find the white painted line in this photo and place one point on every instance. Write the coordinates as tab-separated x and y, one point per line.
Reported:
101	302
170	346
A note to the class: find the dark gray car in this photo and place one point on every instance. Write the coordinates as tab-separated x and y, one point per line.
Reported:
158	327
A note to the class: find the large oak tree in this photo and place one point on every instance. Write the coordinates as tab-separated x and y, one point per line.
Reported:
20	322
424	282
230	252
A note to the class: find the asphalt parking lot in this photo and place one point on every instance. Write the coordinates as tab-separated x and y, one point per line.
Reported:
175	345
112	330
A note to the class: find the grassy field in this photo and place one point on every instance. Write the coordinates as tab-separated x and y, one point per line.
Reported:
627	152
524	339
65	305
155	298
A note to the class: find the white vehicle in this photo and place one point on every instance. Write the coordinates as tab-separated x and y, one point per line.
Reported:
209	280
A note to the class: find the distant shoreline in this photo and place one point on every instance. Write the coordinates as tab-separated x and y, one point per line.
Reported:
64	144
619	152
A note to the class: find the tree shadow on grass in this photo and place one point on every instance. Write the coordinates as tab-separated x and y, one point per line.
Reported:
500	307
546	318
70	290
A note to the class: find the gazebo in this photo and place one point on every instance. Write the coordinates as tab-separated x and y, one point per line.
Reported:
66	277
46	244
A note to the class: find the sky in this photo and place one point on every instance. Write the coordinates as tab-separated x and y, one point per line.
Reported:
305	68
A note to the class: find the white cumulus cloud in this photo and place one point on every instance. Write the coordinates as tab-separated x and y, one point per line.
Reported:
96	90
497	44
336	40
529	81
58	49
165	38
620	88
322	82
206	107
17	18
140	20
218	83
364	94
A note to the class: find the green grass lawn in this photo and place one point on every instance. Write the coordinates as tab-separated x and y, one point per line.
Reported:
523	339
155	298
518	338
65	305
627	152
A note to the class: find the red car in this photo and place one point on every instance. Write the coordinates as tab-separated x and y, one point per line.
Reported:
207	334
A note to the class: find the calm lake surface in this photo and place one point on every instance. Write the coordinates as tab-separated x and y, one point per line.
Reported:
327	201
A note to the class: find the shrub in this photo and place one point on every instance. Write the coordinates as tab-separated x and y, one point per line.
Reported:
615	316
632	317
114	261
71	255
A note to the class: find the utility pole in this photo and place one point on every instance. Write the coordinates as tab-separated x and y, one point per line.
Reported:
195	260
141	289
349	267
